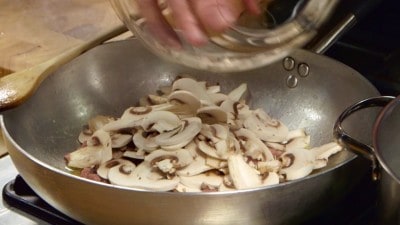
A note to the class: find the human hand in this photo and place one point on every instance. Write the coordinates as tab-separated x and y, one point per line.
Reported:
193	18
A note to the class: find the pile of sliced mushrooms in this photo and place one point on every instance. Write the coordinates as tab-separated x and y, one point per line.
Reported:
192	138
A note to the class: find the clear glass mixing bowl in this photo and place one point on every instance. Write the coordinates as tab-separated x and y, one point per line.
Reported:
254	40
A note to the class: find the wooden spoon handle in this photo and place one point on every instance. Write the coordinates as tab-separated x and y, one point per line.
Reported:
15	88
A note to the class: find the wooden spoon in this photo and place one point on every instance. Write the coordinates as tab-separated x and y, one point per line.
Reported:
15	88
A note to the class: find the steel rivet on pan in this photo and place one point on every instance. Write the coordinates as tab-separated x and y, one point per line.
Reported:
292	81
303	69
289	63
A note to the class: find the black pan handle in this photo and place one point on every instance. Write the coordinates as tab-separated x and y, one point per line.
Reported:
354	145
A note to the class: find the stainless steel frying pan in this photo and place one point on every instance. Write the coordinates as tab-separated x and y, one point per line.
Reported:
307	90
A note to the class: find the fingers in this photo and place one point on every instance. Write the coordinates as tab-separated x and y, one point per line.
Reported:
186	21
157	24
217	15
252	6
194	18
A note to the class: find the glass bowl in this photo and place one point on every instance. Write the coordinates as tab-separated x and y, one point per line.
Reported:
254	41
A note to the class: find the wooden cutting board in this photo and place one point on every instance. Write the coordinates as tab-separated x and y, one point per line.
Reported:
33	31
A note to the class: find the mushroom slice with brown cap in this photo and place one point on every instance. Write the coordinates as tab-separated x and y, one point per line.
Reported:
210	150
245	135
190	129
131	117
145	141
156	99
103	169
212	115
297	163
188	84
215	132
266	128
218	98
141	177
219	149
243	176
85	134
169	161
119	140
160	121
97	151
152	100
205	182
185	99
269	166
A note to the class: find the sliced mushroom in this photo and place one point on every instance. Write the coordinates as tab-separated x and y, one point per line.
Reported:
182	188
85	134
185	99
216	163
215	132
188	84
160	121
298	142
326	150
203	182
198	166
270	178
212	115
156	99
243	176
213	89
98	122
145	141
139	154
141	177
191	128
296	133
218	98
169	161
97	151
269	166
131	118
245	135
119	140
266	128
237	93
297	163
103	169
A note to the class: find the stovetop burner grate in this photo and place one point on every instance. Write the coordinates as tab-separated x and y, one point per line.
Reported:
358	208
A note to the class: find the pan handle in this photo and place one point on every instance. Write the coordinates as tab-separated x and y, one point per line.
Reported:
354	145
354	12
